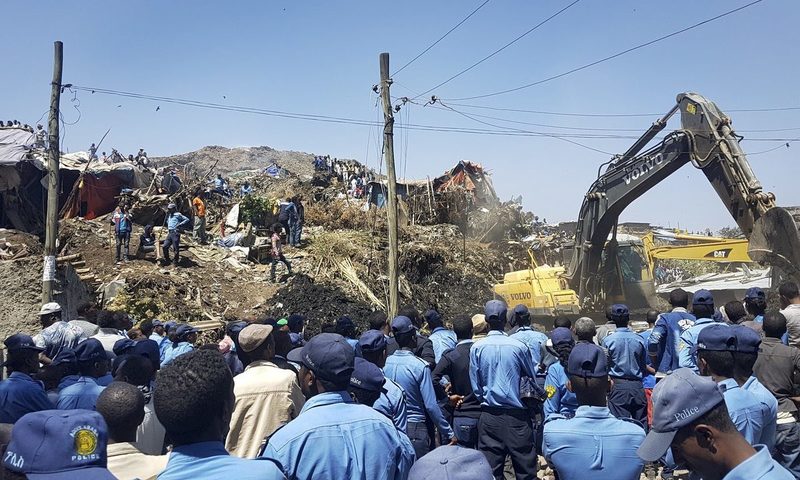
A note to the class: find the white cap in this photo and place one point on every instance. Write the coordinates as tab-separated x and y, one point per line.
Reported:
49	308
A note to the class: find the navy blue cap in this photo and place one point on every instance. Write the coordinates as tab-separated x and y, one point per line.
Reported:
366	376
170	325
122	346
587	360
678	400
158	323
185	329
20	341
372	341
702	297
521	311
90	350
236	327
432	316
495	309
754	293
295	355
451	462
150	349
619	311
344	321
65	357
718	338
402	324
329	356
59	444
747	339
561	335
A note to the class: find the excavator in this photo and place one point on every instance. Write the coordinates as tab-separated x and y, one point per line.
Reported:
604	268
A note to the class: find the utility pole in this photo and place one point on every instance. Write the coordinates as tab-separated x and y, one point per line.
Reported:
54	152
388	146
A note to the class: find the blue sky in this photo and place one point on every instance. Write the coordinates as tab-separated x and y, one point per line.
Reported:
322	58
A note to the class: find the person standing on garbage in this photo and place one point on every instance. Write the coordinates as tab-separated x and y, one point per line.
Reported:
199	208
175	220
122	231
277	252
297	226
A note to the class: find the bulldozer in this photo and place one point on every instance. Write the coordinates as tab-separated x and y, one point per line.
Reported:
603	267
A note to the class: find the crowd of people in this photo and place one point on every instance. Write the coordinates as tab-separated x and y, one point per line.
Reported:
479	397
353	175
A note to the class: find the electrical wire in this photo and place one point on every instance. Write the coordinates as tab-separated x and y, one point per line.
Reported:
605	59
440	38
499	49
593	115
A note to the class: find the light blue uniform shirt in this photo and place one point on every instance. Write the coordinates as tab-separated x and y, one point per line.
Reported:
176	220
356	347
686	356
627	354
534	340
559	399
210	460
443	340
414	377
105	380
334	438
760	466
766	397
593	445
392	403
20	394
747	412
649	380
497	364
81	394
172	352
67	381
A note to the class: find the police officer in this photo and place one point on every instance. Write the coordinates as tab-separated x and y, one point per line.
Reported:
392	401
193	398
20	393
424	346
715	347
775	368
333	437
744	358
497	365
594	444
663	343
442	338
93	363
175	221
627	356
182	342
703	309
521	317
366	382
690	417
559	398
414	376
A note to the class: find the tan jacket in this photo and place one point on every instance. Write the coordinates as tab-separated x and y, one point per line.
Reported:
127	462
267	397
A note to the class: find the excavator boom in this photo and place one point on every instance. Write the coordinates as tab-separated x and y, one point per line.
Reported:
707	140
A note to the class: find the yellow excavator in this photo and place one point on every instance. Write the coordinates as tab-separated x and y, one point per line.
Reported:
603	267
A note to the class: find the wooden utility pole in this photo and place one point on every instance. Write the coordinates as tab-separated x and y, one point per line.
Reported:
388	148
54	152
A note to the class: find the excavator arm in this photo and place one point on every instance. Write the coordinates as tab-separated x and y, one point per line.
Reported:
707	140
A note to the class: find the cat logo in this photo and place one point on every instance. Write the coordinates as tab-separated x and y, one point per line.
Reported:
550	390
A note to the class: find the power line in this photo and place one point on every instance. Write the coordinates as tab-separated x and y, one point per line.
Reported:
497	131
441	38
610	57
525	131
499	50
594	115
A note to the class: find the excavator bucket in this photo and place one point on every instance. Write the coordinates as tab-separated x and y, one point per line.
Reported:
775	241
